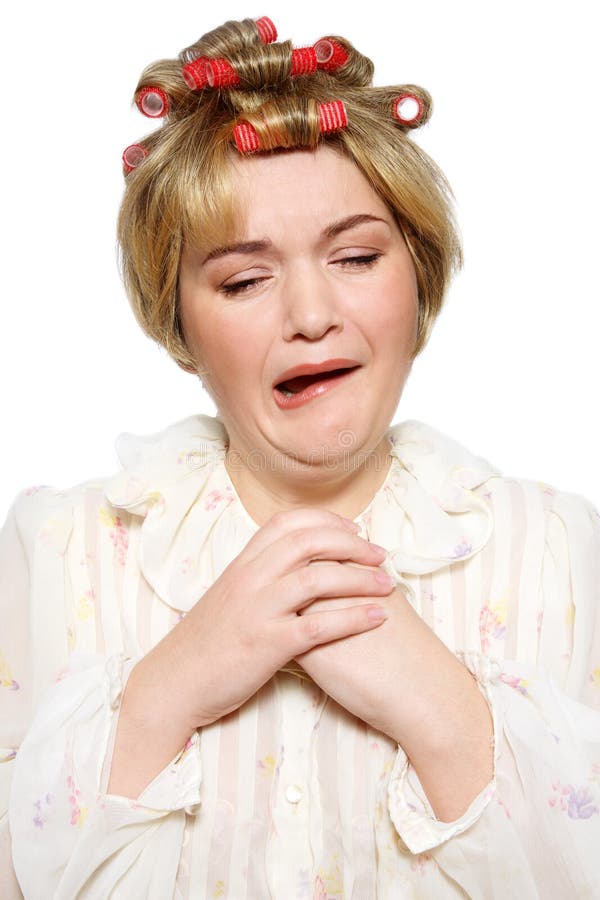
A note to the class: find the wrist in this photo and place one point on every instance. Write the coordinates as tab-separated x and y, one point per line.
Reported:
155	699
454	760
147	738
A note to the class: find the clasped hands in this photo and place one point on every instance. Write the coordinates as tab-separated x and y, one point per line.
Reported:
304	587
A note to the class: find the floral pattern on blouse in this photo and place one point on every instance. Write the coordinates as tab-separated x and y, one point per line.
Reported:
6	679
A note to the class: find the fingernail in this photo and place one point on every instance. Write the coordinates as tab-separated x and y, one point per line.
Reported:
384	578
376	614
377	547
349	524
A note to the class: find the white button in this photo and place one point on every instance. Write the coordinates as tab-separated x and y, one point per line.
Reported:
293	793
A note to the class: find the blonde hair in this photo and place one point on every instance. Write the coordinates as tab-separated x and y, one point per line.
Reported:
180	193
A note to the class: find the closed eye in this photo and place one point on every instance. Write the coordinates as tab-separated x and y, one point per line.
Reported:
359	261
239	287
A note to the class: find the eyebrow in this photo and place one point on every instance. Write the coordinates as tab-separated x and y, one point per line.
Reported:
330	231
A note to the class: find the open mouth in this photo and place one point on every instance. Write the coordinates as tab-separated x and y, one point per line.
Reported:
301	382
295	392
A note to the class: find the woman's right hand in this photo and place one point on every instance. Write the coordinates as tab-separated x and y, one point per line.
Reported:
246	625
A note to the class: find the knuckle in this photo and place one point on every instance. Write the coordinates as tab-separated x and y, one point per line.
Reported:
288	516
280	518
302	515
308	578
304	541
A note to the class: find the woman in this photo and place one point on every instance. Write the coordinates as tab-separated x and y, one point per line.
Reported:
211	686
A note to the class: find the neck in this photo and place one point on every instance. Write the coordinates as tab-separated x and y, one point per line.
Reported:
345	488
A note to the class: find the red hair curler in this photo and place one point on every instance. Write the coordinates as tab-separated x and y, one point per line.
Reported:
220	73
332	117
304	61
194	73
246	138
408	109
133	156
266	30
152	102
330	55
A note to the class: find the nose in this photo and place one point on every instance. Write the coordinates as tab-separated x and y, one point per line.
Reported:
311	305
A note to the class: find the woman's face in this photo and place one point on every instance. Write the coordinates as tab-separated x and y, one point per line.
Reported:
318	272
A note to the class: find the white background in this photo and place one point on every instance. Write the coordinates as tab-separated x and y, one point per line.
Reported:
511	370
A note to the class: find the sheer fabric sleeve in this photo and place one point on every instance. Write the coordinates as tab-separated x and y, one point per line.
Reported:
15	698
534	831
58	737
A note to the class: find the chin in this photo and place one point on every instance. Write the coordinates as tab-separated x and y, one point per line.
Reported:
334	441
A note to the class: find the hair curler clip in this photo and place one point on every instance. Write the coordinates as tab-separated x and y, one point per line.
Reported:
332	117
152	102
408	109
133	156
330	55
266	30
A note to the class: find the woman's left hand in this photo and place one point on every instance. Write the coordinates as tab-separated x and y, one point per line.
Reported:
403	681
395	677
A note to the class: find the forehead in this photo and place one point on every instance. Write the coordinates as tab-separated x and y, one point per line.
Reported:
280	196
287	191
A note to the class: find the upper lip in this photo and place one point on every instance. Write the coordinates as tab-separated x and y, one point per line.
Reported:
314	368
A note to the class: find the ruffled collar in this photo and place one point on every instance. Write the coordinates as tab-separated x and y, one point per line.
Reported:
426	513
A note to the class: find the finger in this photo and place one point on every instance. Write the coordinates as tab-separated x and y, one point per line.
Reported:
287	521
297	548
313	629
340	603
321	580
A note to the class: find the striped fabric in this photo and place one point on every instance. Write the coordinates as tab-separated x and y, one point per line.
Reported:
292	796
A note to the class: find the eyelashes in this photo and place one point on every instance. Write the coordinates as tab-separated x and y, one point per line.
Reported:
238	287
347	262
359	260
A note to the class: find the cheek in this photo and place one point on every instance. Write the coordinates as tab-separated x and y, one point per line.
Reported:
397	316
230	352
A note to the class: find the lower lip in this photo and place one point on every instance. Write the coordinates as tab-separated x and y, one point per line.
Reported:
316	389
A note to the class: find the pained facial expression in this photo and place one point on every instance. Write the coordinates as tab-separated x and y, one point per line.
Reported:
319	271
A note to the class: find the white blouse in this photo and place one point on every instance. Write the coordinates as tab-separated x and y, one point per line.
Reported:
291	796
